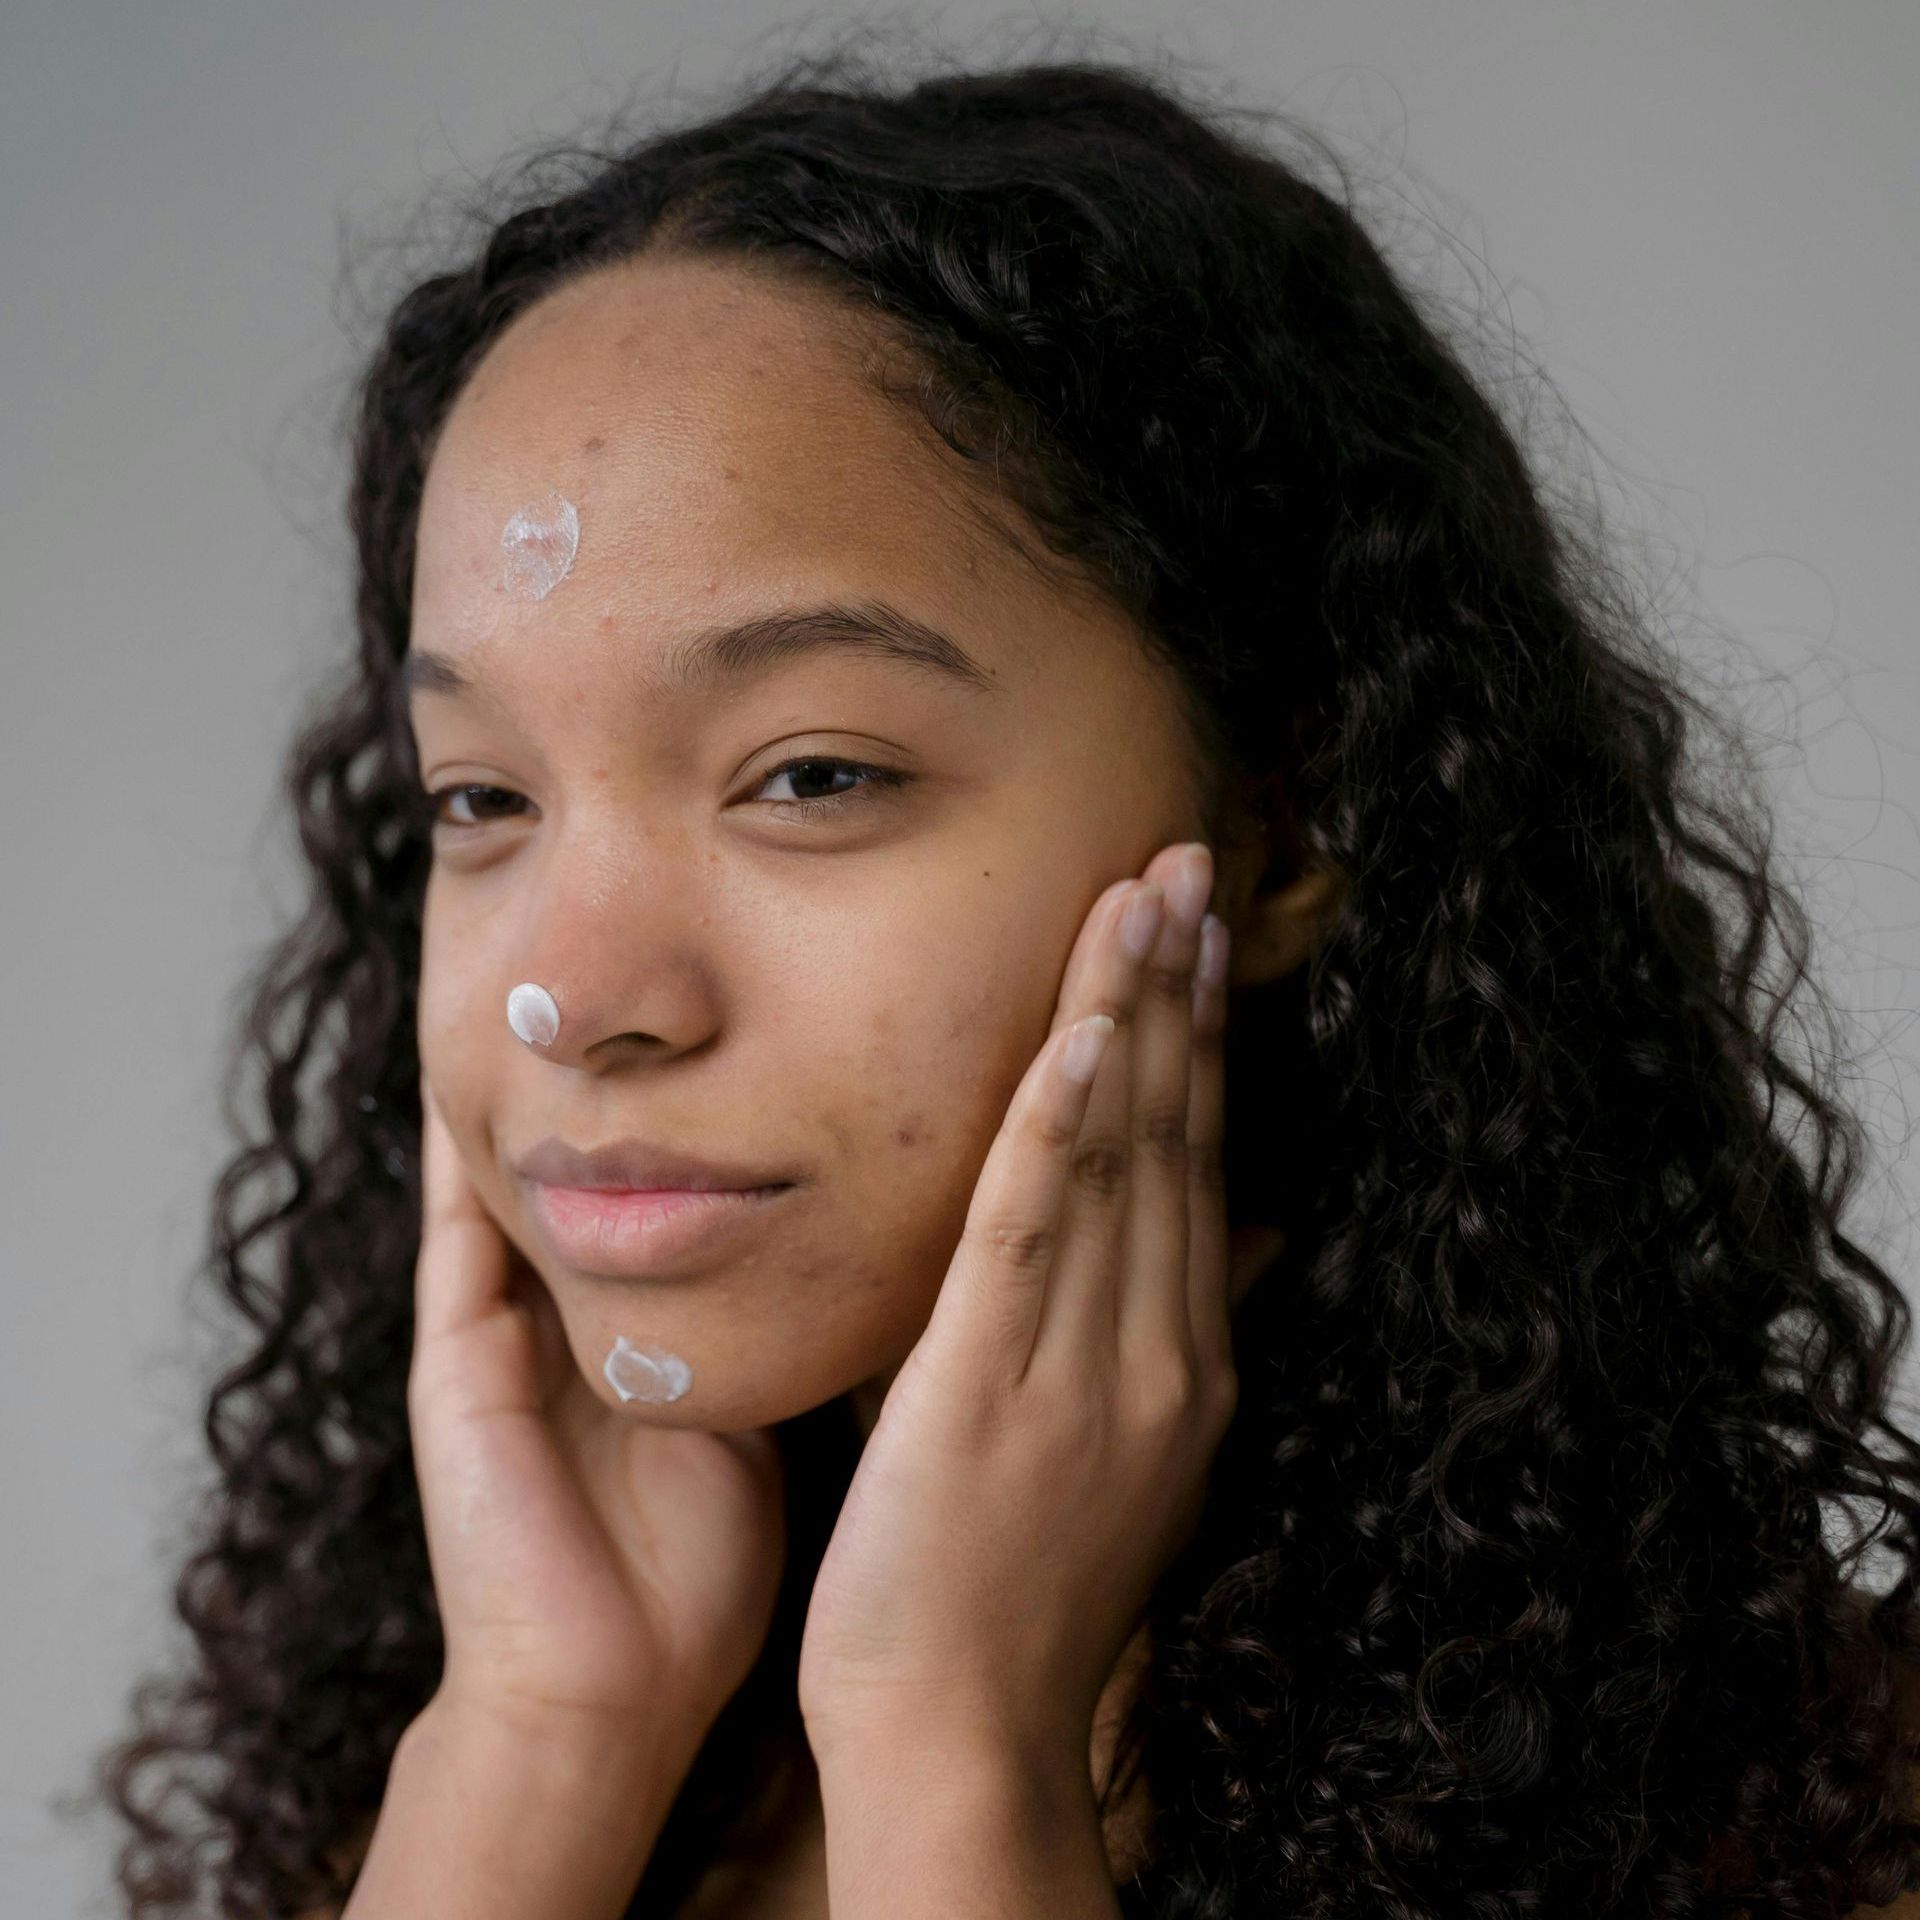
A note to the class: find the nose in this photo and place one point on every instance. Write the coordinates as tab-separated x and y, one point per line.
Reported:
532	1014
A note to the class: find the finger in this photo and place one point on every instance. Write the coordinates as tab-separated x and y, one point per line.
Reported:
578	1413
1078	1318
462	1271
1152	1313
553	1356
1096	934
1209	1305
988	1309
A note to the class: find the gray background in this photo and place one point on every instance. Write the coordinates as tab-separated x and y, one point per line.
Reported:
1700	218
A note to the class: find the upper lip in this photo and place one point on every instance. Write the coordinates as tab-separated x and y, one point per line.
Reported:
623	1165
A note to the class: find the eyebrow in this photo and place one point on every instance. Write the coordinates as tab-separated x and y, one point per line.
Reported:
744	650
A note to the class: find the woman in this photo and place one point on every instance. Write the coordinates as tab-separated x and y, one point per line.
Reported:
1365	1443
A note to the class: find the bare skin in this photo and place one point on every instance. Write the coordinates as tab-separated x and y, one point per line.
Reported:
846	1001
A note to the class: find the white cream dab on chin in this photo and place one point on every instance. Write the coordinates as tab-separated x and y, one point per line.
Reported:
646	1373
540	542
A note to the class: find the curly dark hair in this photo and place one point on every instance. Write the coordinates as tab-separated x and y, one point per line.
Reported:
1512	1592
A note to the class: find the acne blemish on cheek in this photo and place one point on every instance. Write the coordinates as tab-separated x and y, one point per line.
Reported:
539	543
646	1373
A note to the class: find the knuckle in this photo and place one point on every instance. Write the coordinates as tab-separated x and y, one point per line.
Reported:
1172	985
1163	1131
1099	1165
1168	1391
1207	1163
1019	1243
1053	1133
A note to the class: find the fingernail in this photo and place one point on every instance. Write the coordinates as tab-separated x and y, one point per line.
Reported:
1190	888
1141	920
1080	1057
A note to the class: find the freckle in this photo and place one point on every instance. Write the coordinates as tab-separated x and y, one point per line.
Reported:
594	445
729	473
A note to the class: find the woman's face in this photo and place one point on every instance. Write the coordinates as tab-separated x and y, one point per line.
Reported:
845	1001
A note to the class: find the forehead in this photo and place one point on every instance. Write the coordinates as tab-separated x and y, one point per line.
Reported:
712	427
716	433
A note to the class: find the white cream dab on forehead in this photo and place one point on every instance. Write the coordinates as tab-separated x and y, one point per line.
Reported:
646	1373
539	543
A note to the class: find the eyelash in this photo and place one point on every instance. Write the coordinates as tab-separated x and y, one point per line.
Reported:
878	780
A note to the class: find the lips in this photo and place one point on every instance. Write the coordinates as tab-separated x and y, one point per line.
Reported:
636	1235
630	1166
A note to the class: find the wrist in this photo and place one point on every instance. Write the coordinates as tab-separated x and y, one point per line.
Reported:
496	1813
546	1727
972	1824
978	1744
556	1742
976	1762
493	1811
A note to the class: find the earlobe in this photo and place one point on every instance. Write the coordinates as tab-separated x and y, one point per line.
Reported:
1282	929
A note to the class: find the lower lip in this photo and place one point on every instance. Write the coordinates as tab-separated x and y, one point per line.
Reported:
632	1232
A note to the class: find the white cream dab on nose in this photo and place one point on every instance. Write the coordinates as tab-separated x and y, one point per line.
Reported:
540	542
532	1014
646	1373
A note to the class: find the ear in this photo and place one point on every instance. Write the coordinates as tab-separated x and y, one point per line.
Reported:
1278	907
1278	931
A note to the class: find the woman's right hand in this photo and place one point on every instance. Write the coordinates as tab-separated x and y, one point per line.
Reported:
589	1566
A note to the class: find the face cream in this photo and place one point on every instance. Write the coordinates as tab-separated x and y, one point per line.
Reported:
646	1373
532	1014
539	543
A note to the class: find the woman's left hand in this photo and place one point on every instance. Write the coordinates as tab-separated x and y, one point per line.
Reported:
1042	1453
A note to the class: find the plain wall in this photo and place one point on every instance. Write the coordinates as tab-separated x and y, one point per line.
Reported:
1701	220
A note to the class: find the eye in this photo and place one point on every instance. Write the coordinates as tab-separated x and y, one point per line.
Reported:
875	780
431	803
878	780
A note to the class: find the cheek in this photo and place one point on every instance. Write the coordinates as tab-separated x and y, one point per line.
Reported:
902	1117
931	1097
443	1060
892	1096
443	996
